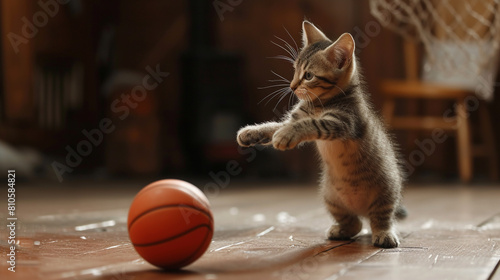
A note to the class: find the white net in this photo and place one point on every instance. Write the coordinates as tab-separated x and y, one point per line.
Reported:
461	38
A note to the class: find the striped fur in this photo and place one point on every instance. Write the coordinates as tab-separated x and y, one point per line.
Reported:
360	172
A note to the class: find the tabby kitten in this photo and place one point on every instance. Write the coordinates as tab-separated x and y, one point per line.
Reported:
360	173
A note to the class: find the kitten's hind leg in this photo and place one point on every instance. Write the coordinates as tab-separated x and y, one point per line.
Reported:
383	230
347	226
401	212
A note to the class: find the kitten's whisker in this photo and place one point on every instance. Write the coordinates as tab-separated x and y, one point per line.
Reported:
282	94
269	100
284	57
280	76
293	40
311	104
317	98
340	89
283	48
311	101
277	85
308	103
282	97
289	47
273	94
286	81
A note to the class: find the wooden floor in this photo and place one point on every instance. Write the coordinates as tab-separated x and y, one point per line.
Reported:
78	231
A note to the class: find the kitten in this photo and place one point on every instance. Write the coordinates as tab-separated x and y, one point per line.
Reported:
360	173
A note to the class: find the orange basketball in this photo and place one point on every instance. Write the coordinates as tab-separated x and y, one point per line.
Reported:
170	223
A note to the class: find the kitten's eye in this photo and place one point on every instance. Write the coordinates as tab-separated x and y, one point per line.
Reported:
308	76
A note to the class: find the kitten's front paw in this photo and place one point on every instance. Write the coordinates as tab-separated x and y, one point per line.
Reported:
286	138
385	239
250	136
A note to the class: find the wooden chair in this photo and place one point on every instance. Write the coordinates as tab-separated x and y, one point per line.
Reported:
460	124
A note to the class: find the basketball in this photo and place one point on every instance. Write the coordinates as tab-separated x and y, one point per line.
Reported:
170	223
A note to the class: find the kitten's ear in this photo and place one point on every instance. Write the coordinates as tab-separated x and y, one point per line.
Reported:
311	34
341	52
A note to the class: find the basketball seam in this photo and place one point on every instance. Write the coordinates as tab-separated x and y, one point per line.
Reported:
169	206
173	237
188	259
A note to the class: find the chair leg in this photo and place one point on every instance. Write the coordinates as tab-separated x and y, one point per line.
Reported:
412	110
488	140
463	142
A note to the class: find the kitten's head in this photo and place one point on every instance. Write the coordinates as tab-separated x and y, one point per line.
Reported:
322	67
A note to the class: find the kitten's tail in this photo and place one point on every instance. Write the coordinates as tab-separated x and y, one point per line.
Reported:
401	212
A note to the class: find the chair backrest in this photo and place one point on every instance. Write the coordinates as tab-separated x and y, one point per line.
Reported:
460	40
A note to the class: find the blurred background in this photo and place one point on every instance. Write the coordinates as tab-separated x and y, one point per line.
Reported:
155	88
